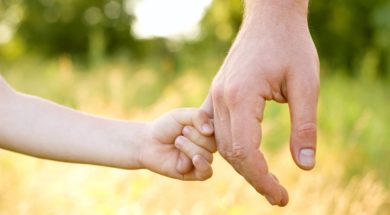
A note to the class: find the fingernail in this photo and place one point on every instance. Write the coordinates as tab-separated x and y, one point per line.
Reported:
206	128
186	131
306	157
179	141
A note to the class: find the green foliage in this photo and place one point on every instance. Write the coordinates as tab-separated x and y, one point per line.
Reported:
222	21
351	36
348	32
75	27
353	119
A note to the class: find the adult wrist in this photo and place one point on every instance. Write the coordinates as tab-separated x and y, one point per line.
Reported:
278	10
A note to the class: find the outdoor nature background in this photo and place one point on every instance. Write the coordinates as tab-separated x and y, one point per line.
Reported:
124	59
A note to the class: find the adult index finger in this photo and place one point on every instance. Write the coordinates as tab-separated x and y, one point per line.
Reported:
244	155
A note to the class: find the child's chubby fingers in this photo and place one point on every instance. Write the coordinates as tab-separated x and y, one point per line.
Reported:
202	169
203	123
184	164
201	172
193	116
206	142
200	163
191	149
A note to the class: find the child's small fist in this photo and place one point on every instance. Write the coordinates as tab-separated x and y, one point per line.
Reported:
183	146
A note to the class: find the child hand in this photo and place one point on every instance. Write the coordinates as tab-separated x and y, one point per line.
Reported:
181	145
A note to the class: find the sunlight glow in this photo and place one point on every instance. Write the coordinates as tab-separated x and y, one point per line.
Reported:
5	33
169	18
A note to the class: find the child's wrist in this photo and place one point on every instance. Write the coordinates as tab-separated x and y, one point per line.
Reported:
142	136
130	140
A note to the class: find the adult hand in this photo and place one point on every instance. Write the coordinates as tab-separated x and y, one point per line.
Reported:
272	58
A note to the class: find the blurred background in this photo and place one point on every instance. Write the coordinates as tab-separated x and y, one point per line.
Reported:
136	59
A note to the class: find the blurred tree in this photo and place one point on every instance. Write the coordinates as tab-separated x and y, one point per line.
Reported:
223	20
77	27
348	31
351	35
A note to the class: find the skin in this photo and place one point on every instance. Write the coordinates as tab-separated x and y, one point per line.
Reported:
40	128
272	58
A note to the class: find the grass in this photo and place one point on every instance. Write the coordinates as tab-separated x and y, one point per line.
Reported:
352	175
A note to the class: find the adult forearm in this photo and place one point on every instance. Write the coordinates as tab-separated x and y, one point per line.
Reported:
269	19
40	128
296	6
273	12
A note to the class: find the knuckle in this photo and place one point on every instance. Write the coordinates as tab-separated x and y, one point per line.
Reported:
307	129
217	92
191	133
234	94
236	154
201	117
202	114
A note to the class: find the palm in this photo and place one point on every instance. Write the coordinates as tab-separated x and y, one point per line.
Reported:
163	158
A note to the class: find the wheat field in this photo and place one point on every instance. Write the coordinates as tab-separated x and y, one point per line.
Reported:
351	177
